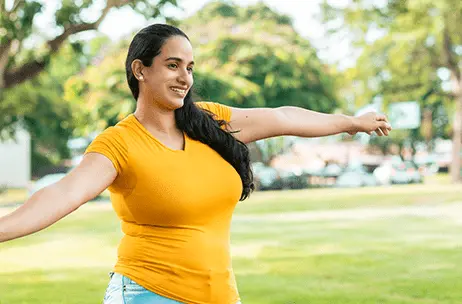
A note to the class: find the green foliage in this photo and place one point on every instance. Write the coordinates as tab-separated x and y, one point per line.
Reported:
70	12
152	9
217	9
258	52
101	93
18	25
411	50
39	105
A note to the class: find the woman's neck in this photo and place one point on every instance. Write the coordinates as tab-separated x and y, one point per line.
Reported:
156	119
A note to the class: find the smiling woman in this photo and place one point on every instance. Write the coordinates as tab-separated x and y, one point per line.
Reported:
176	170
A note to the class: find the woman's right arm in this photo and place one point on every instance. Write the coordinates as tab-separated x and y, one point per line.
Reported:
91	177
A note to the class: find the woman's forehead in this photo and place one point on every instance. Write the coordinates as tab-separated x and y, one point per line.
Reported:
177	47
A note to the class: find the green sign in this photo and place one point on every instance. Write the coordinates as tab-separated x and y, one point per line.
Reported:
404	115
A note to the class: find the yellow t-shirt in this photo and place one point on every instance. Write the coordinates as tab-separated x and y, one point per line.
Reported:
175	208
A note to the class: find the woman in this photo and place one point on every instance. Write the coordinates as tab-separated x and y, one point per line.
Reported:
176	170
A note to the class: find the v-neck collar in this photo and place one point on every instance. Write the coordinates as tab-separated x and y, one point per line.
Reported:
140	125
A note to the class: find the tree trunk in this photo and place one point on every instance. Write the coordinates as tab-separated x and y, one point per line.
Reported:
457	140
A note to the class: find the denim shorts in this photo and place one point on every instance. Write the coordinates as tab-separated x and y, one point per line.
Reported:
122	290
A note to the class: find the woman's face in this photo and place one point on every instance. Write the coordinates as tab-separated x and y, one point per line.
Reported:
169	78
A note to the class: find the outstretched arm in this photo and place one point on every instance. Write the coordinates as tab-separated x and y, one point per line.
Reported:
259	123
94	174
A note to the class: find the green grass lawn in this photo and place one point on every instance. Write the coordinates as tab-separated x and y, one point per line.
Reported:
399	244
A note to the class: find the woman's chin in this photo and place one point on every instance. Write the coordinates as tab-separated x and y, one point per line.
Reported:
170	103
177	103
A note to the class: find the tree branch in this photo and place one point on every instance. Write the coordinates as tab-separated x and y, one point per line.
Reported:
16	5
4	52
28	70
34	67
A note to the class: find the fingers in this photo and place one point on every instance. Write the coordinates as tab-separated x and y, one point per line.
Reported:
385	126
383	129
382	126
381	117
380	132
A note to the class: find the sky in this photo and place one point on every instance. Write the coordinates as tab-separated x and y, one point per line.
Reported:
123	22
303	12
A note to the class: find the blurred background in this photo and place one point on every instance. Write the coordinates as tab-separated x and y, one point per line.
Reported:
340	219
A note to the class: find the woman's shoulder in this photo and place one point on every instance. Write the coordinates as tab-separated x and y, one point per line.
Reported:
220	110
120	128
116	134
208	104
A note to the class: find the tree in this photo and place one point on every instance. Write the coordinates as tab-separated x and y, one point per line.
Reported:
411	50
44	112
19	63
258	52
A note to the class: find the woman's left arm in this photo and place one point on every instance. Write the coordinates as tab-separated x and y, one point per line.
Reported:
259	123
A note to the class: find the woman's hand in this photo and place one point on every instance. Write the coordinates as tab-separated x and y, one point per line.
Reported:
371	122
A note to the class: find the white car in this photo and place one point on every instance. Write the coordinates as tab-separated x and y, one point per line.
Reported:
356	177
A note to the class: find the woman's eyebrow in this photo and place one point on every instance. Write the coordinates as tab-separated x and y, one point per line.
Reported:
177	59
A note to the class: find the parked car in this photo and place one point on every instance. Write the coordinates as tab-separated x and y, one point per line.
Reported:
331	170
427	164
397	171
266	178
356	176
293	180
269	178
415	176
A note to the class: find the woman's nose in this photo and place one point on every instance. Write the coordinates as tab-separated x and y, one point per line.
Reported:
184	78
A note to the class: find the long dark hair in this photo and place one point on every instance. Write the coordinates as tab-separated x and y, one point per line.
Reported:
198	124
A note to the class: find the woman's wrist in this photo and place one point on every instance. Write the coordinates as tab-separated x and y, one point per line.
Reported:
351	124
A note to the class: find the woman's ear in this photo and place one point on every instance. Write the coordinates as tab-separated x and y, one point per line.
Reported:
137	69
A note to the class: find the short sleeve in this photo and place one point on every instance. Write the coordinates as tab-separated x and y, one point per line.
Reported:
222	112
111	144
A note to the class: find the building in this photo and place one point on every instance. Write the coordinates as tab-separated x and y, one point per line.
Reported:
15	161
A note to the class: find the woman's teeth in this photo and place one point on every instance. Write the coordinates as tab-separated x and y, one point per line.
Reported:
178	90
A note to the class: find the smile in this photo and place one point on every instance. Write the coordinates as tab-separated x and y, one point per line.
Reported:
179	91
